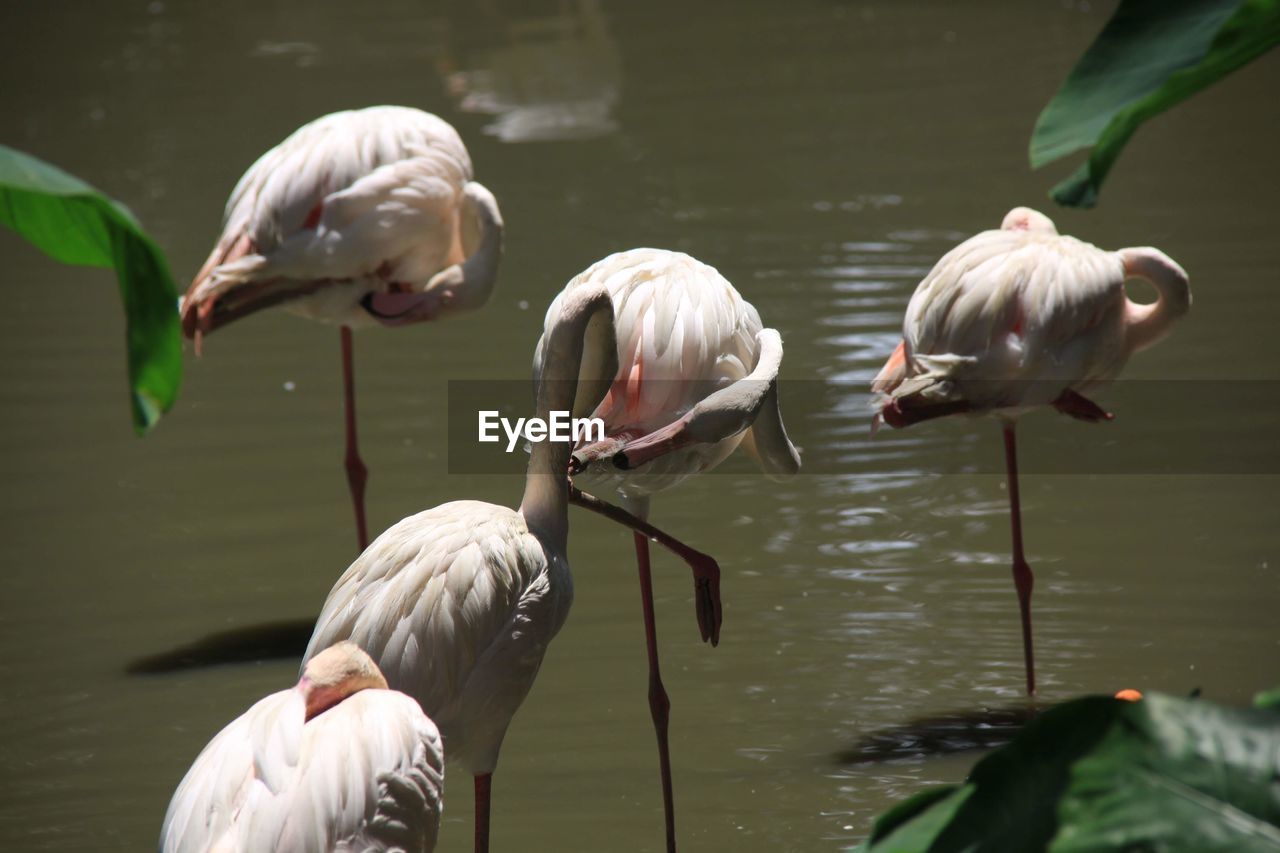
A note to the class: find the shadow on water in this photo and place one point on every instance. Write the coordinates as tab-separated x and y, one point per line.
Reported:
251	644
942	734
948	733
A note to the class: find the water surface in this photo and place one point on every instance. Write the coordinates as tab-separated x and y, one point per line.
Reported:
822	155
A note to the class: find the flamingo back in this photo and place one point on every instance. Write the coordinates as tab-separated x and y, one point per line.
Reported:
456	605
1010	319
364	197
366	774
683	332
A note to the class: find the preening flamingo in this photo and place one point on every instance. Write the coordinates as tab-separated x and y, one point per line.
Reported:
696	377
339	762
359	218
458	603
1019	318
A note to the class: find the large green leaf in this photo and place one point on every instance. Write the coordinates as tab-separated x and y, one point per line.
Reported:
74	223
1099	774
1150	55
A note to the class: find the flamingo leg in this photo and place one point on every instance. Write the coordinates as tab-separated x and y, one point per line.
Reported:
659	704
706	571
1023	579
483	787
357	474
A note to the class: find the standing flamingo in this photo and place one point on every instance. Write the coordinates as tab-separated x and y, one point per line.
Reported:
337	763
1019	318
696	377
458	603
360	217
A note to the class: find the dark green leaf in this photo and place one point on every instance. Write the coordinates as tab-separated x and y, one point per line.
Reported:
909	808
1177	775
1151	55
74	223
915	823
1098	774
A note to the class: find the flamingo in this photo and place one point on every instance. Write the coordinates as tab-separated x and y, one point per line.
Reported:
339	762
696	377
458	603
1017	319
359	218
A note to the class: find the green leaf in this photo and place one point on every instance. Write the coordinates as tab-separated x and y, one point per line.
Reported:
914	823
1151	55
1268	699
1098	774
1177	775
72	222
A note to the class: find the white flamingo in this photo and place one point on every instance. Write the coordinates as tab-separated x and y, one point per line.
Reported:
359	218
458	603
697	376
337	763
1019	318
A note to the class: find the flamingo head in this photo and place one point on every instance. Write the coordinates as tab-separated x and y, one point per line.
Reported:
336	673
1026	219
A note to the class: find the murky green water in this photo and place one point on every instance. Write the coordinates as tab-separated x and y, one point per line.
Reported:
822	155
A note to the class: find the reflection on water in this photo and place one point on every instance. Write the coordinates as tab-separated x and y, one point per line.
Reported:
547	77
822	156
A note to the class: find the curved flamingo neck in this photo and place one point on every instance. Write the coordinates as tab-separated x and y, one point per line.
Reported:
1147	324
545	505
471	282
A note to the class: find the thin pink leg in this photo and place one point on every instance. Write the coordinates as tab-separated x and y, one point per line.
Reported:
483	787
357	474
1022	577
706	571
659	704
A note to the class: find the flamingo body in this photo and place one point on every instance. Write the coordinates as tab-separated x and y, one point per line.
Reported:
457	604
343	215
1012	318
364	774
683	333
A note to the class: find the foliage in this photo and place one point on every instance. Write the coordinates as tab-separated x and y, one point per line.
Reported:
1151	55
1101	774
75	224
